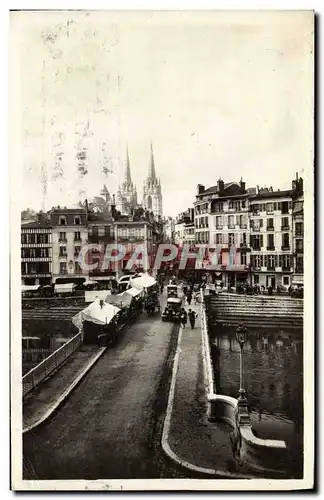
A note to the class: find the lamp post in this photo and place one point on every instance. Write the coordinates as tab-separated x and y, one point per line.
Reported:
243	414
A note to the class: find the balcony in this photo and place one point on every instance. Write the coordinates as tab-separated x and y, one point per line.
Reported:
300	250
285	247
243	226
63	255
270	228
256	229
271	268
286	269
255	247
231	226
219	227
285	228
62	241
77	240
270	247
299	233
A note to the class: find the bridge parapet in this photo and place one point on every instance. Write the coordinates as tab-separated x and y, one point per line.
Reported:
50	364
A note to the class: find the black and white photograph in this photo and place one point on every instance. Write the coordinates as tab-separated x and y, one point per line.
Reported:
161	237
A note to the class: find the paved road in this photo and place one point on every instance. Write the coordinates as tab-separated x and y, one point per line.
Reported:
110	427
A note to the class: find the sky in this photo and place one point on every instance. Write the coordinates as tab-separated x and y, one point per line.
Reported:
219	94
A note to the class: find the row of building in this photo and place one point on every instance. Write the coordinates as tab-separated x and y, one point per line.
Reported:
265	226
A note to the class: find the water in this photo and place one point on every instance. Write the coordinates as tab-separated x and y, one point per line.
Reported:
273	380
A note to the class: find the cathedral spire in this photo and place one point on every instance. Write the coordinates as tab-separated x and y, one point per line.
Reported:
152	175
127	174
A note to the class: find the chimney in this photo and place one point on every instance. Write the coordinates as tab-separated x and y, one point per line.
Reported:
242	184
200	189
220	186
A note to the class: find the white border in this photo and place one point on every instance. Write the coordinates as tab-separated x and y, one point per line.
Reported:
309	317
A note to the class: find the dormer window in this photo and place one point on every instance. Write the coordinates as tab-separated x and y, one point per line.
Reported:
62	220
77	221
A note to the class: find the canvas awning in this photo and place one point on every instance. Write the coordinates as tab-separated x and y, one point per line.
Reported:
100	314
30	288
92	295
141	282
64	288
120	300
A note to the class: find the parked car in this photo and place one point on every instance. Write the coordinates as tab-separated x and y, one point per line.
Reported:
172	310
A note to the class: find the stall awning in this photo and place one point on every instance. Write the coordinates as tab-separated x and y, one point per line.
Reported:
30	288
64	288
92	295
145	281
120	300
100	314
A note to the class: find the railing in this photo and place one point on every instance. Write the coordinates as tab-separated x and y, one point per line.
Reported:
50	364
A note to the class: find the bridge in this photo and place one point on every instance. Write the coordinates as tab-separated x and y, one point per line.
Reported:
137	410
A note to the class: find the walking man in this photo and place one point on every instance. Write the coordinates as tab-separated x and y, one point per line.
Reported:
192	318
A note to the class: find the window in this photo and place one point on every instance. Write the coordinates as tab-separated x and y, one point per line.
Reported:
107	230
44	252
243	258
284	223
300	245
270	241
285	280
23	239
284	207
270	224
219	207
32	252
256	241
62	267
62	237
77	221
62	220
285	241
299	229
231	224
23	253
219	239
219	222
94	230
62	251
299	265
243	204
43	238
77	250
231	239
256	279
271	261
269	207
243	238
77	236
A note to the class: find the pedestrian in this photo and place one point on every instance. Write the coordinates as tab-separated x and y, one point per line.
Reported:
192	318
162	287
183	317
189	297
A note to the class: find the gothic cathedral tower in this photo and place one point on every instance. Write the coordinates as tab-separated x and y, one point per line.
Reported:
126	199
152	195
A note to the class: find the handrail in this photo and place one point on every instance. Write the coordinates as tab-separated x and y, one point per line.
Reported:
49	364
206	347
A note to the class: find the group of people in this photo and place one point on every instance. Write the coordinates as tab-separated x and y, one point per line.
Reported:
191	315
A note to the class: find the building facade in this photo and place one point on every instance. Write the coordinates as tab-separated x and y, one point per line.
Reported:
152	191
184	228
271	238
69	235
36	252
221	220
298	232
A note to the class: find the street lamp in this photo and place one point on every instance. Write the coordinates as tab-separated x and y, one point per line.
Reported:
243	414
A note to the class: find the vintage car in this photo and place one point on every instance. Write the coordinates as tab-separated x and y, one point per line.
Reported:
172	291
172	310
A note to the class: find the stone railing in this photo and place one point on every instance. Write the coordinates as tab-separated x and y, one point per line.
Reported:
50	364
266	455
